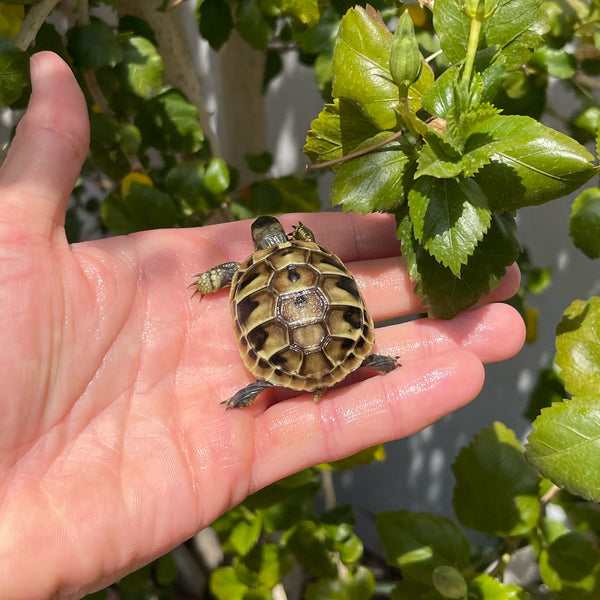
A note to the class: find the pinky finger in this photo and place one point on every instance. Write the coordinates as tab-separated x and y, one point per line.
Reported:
296	434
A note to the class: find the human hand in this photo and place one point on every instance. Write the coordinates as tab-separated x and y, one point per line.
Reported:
113	445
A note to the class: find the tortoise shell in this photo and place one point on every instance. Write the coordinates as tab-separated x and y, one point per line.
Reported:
299	317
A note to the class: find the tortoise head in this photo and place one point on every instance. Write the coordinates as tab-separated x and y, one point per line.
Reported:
267	232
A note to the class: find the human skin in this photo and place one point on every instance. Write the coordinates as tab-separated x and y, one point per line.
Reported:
113	445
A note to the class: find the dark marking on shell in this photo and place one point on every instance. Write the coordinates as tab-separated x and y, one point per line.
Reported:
348	285
332	262
278	359
245	308
361	342
353	316
248	279
347	343
293	274
257	338
300	300
286	251
263	364
252	354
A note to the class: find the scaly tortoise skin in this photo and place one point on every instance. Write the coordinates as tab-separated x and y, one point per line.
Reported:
298	315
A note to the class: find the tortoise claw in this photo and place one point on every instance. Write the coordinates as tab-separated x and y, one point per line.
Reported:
246	396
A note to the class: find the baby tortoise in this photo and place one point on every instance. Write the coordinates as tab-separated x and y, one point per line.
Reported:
298	315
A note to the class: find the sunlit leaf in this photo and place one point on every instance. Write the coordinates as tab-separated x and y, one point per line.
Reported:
584	226
418	543
450	217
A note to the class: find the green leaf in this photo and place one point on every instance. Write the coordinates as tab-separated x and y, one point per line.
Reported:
116	216
284	194
150	207
571	563
129	137
297	505
253	26
309	544
306	479
449	582
350	550
215	22
354	586
515	27
185	181
225	585
376	181
444	293
339	129
244	534
361	66
105	145
216	177
418	543
270	562
94	46
565	445
532	163
11	19
486	587
557	62
306	11
312	549
170	123
14	72
364	457
578	348
409	589
450	217
584	226
166	572
496	489
259	163
142	67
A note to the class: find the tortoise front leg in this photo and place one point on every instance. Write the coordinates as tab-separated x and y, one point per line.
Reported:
246	396
381	363
215	279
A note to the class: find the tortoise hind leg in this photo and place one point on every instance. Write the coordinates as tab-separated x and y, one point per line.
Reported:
381	363
246	396
215	279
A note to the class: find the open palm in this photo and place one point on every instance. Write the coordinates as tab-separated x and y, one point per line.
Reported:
113	445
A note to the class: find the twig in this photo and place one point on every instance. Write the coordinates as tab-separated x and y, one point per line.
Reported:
33	21
433	56
549	495
361	152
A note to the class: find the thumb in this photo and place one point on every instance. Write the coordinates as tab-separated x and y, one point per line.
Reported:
46	155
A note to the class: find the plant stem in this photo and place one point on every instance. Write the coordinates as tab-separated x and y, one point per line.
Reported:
335	161
328	488
33	21
471	50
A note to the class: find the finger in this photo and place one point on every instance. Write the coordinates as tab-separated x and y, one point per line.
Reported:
46	155
351	236
297	433
493	332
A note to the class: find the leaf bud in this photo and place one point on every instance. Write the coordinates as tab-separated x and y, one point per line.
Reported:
480	9
405	58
